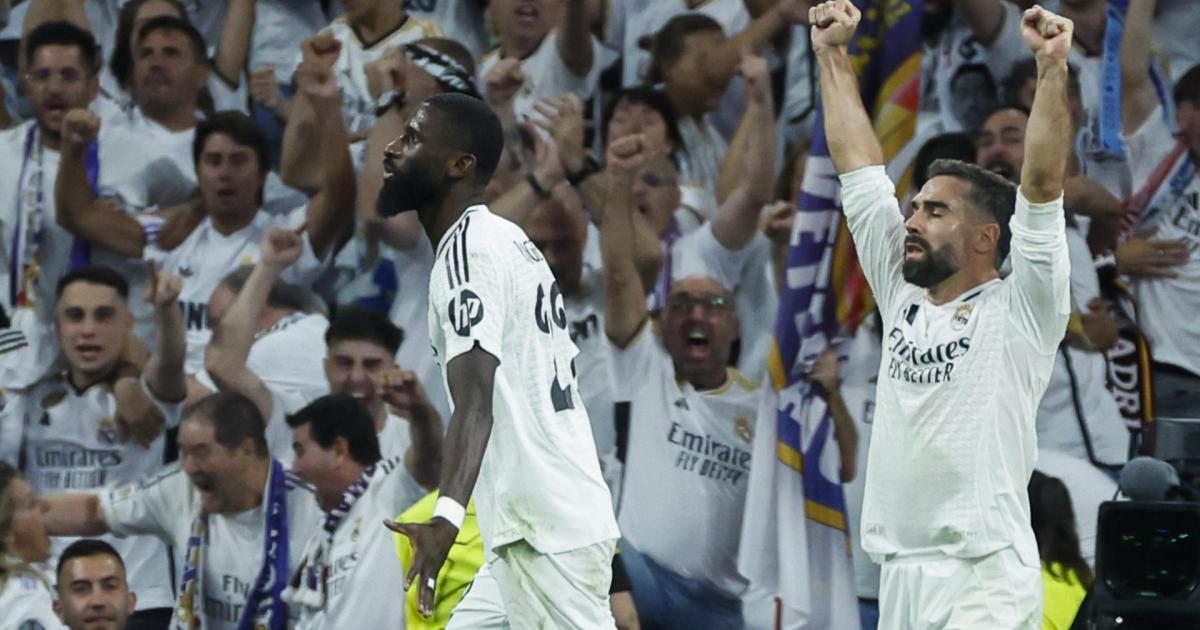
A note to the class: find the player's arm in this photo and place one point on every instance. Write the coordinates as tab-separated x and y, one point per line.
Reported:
848	129
624	294
225	357
330	214
76	208
75	514
736	220
1138	98
575	40
234	47
1040	263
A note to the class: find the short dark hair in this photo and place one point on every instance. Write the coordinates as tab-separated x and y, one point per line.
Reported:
667	44
121	63
654	99
949	146
473	127
178	25
235	419
990	193
281	295
95	274
62	33
1188	87
86	548
340	416
240	128
355	323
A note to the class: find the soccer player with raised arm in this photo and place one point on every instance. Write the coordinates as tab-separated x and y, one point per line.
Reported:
499	331
967	353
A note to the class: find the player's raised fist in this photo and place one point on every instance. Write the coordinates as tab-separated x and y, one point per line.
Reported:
281	249
627	154
80	128
833	23
1048	34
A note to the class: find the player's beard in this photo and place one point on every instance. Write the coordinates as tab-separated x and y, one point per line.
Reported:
931	268
405	191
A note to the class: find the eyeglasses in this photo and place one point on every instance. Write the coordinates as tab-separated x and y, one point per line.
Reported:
69	76
681	303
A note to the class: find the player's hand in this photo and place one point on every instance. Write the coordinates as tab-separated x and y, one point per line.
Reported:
281	248
163	288
562	119
80	127
1098	326
322	49
402	390
627	155
1048	34
833	23
1144	256
431	544
753	69
264	89
502	83
777	220
824	371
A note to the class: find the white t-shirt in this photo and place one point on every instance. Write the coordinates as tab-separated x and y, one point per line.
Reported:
394	442
460	20
688	458
358	107
1088	486
545	75
410	313
166	505
289	355
540	479
364	573
70	445
279	26
636	19
1167	307
959	383
700	164
206	256
28	604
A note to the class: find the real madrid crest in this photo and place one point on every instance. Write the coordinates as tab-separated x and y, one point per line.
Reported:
961	315
744	430
108	430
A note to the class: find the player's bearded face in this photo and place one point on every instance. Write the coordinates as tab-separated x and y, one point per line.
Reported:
929	266
414	184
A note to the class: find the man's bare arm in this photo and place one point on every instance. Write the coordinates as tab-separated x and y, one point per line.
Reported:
1137	92
624	294
1047	136
76	514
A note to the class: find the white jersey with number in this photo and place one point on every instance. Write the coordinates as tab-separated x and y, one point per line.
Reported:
540	479
165	505
689	454
363	571
71	445
954	441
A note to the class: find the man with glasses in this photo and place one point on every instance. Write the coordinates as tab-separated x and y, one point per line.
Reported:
690	425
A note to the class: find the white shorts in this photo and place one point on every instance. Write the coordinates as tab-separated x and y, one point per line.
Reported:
936	592
522	588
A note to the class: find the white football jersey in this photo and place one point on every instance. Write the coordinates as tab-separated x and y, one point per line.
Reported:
28	603
71	445
394	441
540	479
954	442
165	505
461	20
364	573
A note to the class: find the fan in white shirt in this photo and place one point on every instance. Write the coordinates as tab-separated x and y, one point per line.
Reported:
236	520
25	595
75	437
360	345
967	354
93	589
348	575
498	328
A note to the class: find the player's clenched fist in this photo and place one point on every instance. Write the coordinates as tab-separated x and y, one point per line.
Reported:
1048	34
833	23
80	128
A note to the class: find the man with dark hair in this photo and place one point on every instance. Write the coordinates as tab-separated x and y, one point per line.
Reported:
348	576
967	353
93	593
499	331
236	520
359	362
76	429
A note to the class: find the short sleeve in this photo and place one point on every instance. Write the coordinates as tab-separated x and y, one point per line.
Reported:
699	253
474	304
637	361
172	411
152	225
157	505
1148	146
12	425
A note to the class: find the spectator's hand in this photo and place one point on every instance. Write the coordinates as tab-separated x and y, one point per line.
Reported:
387	72
824	371
547	161
264	89
627	155
776	222
833	23
753	69
503	82
431	543
1048	34
319	84
1099	327
402	390
163	288
80	127
136	415
281	248
562	119
794	11
1143	256
322	49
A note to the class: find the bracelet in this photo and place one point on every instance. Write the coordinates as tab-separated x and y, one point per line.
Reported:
450	510
542	193
590	167
388	100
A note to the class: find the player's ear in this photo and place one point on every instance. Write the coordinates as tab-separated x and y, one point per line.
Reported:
462	166
987	238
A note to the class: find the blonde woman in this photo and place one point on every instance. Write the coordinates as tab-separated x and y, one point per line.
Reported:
25	595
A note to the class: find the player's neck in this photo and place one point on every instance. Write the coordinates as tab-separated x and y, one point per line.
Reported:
438	218
387	17
959	283
81	380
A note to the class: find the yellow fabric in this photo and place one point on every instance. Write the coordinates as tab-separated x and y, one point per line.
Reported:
463	561
1061	598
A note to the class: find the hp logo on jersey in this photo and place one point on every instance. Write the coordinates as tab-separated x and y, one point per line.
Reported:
466	310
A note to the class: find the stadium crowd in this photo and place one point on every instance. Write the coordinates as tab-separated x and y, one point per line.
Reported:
215	358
